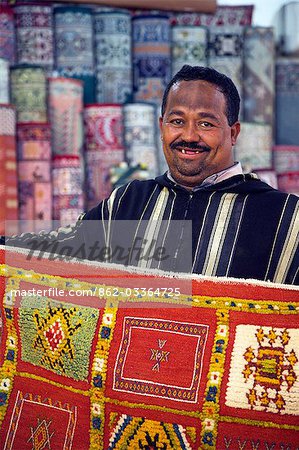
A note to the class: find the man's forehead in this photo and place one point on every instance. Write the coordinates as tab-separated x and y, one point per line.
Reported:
187	85
195	91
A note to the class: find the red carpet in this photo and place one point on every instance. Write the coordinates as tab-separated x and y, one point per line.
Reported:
95	357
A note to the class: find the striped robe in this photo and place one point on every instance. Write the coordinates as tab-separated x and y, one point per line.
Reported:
240	227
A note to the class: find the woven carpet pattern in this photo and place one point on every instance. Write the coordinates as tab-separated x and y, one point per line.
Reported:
141	362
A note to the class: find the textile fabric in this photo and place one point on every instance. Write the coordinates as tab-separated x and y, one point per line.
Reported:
288	15
104	148
188	46
34	35
289	182
254	146
286	158
28	92
34	176
212	366
226	52
151	57
74	57
258	75
7	34
224	15
113	56
269	176
219	230
67	181
8	170
34	141
4	80
287	101
140	134
65	111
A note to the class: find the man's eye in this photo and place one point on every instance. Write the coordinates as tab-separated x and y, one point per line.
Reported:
177	122
206	124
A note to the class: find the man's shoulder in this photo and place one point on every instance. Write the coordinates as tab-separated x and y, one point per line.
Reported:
135	193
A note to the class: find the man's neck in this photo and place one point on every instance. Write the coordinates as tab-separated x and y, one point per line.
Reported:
235	169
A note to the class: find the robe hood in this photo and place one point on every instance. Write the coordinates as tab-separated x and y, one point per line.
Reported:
244	183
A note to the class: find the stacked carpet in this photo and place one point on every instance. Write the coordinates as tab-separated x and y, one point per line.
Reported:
226	52
74	57
258	75
151	56
254	146
188	46
105	357
7	34
224	15
104	148
68	199
8	171
287	101
34	35
140	123
289	182
113	54
34	176
286	158
29	92
65	113
4	80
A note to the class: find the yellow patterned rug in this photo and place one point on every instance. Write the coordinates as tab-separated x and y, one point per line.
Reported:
103	357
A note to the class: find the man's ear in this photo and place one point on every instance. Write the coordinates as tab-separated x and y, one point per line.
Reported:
235	130
160	123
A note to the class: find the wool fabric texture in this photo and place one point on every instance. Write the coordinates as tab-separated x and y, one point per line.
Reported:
289	182
213	366
4	80
226	52
287	19
223	16
189	46
34	176
74	52
258	75
151	56
68	199
286	101
65	112
254	146
104	148
204	226
7	34
113	56
8	171
140	135
34	35
29	92
286	158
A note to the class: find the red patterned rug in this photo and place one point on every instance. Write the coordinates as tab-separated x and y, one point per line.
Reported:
95	357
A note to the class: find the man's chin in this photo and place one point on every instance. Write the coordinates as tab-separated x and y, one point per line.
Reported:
188	178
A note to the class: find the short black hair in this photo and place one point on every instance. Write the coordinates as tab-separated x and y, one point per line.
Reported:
224	83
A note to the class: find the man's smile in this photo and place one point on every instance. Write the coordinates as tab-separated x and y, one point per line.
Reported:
189	148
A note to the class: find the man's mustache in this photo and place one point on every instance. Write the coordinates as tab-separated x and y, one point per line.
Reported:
190	146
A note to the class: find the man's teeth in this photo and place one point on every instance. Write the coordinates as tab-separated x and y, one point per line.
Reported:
193	151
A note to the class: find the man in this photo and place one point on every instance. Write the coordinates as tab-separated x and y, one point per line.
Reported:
240	226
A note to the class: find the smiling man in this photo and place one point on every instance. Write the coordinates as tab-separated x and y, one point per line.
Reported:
238	225
196	131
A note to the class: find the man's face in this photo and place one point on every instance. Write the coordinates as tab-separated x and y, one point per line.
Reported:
197	139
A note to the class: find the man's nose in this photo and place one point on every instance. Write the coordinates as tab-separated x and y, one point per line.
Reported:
191	132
